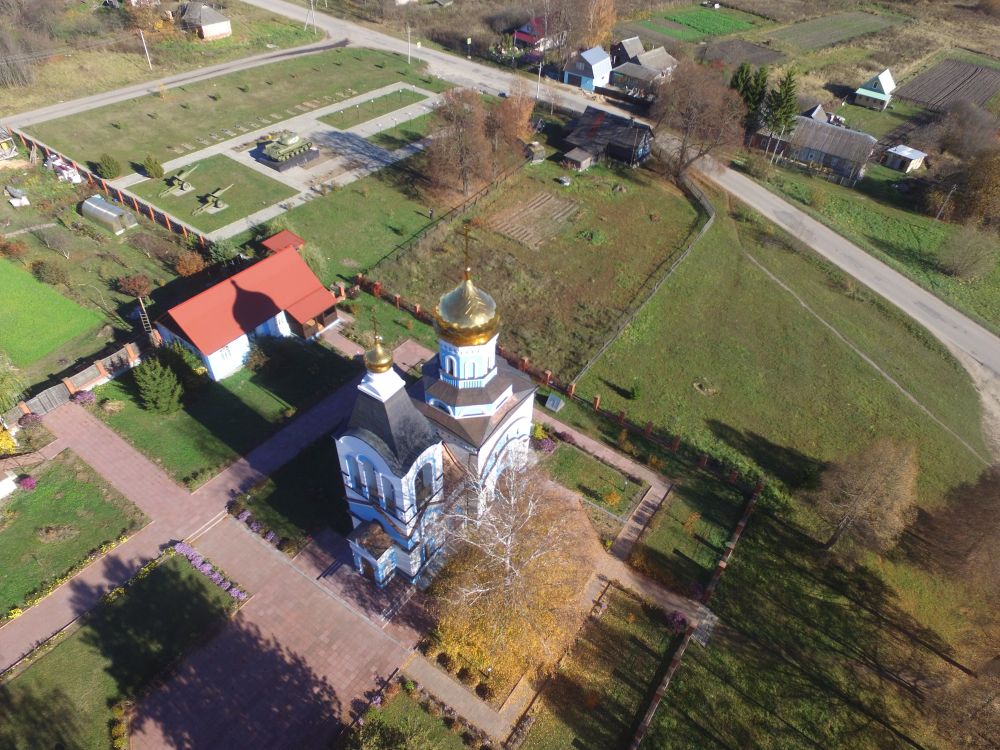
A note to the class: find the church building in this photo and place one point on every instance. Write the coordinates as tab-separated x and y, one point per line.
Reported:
470	406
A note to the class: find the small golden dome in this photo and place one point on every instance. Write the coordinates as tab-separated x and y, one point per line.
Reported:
378	358
466	316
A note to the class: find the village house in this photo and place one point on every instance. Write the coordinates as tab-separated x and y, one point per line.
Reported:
206	21
278	296
532	35
588	69
876	93
598	134
904	158
821	145
638	71
627	50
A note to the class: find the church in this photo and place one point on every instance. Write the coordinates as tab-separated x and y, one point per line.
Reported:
470	407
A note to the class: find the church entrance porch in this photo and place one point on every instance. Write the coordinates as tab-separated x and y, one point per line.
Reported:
374	552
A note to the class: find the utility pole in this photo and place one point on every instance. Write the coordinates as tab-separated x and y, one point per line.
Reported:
311	16
145	49
538	86
945	203
407	44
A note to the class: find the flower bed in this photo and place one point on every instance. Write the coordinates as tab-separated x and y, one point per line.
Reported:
245	517
208	570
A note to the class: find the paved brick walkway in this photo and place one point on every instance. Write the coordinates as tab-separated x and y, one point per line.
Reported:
26	460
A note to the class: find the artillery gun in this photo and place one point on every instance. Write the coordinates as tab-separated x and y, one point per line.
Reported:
178	184
286	146
212	203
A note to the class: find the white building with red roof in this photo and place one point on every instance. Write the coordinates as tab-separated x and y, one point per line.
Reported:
278	296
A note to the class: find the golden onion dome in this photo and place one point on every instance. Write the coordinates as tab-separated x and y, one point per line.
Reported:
466	316
378	358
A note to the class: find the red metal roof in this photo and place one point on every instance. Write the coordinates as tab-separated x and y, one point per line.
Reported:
283	239
231	308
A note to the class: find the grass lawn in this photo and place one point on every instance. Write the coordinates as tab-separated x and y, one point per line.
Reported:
304	496
37	319
355	226
223	420
382	105
403	134
64	698
250	192
880	124
596	481
393	325
46	532
404	713
562	296
829	30
808	653
164	126
876	218
754	373
695	23
593	700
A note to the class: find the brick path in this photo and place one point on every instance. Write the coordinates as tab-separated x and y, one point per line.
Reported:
19	463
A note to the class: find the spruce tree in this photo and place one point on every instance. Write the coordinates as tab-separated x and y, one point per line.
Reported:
159	388
756	99
741	80
782	104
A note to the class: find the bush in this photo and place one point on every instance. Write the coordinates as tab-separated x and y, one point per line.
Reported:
189	263
969	254
8	445
50	272
27	482
186	365
758	166
30	421
446	661
485	691
159	388
466	676
108	167
152	167
257	358
84	398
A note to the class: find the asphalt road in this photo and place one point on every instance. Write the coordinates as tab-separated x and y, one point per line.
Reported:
950	326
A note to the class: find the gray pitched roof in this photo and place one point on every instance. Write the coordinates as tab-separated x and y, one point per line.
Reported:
636	71
832	139
199	14
632	46
658	59
595	130
394	428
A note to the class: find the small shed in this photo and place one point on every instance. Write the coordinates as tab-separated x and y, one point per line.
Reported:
8	149
876	93
108	215
534	151
904	158
206	21
283	240
578	159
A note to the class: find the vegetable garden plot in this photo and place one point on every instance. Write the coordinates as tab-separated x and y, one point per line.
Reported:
951	81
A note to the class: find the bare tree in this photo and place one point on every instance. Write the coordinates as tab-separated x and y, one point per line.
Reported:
980	195
54	240
969	254
508	123
515	571
871	494
459	151
967	130
697	107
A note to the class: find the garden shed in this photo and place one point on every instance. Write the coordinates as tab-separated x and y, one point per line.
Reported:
904	158
108	215
206	21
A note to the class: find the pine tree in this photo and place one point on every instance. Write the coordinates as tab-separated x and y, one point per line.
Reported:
741	80
755	99
108	167
159	388
782	104
152	167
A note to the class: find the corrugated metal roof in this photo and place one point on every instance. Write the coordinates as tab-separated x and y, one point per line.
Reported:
636	71
98	205
832	139
871	93
632	46
658	59
595	55
906	152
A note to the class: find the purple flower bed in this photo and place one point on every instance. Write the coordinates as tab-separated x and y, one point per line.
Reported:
255	527
246	517
677	622
208	570
29	420
243	516
84	398
27	482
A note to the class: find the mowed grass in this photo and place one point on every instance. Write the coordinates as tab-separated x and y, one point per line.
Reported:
37	320
164	125
592	702
403	134
89	71
830	30
880	124
561	298
730	359
249	191
404	713
64	698
224	420
354	227
46	532
876	218
595	480
695	23
372	109
303	497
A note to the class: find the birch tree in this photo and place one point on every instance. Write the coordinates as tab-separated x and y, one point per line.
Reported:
871	495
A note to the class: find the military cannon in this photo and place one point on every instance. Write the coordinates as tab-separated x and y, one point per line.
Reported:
178	184
212	203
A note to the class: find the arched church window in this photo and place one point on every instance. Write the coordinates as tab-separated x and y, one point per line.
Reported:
369	477
449	366
470	369
353	473
388	492
423	482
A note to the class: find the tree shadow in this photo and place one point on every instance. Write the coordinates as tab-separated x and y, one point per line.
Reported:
228	685
621	392
42	718
795	469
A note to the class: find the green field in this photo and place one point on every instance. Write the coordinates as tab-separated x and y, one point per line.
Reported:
593	479
372	109
874	217
46	532
64	699
695	23
404	134
880	124
198	114
830	30
249	191
302	497
223	420
592	702
37	320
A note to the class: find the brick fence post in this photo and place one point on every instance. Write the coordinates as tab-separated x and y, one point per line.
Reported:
548	377
69	386
597	402
99	364
131	353
395	298
675	444
416	310
524	364
648	429
377	289
621	417
733	475
571	390
702	460
23	407
341	292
